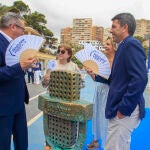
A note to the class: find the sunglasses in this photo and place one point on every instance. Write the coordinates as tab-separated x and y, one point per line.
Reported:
62	52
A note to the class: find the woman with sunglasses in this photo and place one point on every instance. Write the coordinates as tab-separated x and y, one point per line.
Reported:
99	122
62	63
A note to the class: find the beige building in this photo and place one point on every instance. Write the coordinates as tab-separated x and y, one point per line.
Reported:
82	30
97	33
66	35
142	27
106	34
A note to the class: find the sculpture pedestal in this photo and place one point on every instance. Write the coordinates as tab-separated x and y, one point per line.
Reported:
64	121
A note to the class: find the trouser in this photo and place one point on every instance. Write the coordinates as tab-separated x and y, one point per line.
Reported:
30	76
99	122
15	125
37	77
119	131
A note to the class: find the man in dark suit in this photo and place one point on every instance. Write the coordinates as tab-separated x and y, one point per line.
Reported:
125	104
13	90
128	79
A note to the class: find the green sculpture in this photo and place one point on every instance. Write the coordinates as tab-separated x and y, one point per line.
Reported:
65	114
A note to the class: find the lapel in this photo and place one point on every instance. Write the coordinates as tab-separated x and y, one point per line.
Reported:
3	38
118	53
4	42
3	46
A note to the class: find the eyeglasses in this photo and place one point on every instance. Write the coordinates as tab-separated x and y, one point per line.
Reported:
62	52
20	27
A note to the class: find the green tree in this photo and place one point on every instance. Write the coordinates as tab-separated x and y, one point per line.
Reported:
46	32
76	48
146	50
17	7
22	7
140	38
37	21
4	9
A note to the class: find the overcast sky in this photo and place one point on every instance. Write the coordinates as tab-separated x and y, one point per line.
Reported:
60	13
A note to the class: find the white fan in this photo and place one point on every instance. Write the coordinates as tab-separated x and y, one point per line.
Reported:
94	59
51	64
22	48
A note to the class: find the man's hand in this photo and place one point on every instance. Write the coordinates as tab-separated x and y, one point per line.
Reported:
25	64
47	77
90	72
120	115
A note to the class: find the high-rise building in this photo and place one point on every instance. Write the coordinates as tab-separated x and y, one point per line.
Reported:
106	34
82	30
97	33
142	28
66	35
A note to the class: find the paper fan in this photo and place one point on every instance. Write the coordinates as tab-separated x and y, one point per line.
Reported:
22	48
94	59
51	64
83	55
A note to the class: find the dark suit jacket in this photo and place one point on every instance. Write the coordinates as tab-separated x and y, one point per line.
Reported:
128	79
13	90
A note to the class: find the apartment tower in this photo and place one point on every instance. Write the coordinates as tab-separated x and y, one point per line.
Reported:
142	28
82	30
66	35
97	33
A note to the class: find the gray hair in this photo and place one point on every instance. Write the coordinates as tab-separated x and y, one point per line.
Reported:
126	18
9	18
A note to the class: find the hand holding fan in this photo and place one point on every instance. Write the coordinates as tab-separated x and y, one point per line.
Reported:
23	48
51	64
94	59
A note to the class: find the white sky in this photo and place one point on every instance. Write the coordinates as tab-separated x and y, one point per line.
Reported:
60	13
